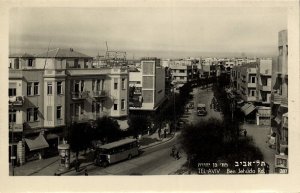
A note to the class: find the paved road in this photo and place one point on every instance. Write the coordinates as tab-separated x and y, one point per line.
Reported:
153	161
202	96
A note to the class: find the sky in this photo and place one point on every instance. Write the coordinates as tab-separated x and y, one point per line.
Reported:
165	32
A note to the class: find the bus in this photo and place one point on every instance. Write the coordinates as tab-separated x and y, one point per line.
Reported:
116	151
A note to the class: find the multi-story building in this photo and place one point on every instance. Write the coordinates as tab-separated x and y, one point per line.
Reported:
149	85
49	91
279	104
244	81
264	78
183	71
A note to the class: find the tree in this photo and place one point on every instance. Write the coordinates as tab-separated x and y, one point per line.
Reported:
107	130
79	137
138	124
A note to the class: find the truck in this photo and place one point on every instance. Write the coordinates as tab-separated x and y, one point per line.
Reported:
201	109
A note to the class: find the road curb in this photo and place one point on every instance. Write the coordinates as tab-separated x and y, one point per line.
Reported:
159	142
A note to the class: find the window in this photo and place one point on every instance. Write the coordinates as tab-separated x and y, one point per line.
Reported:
253	79
35	88
58	112
29	88
97	107
30	61
123	104
181	71
181	77
59	87
115	106
29	115
252	92
35	114
115	83
49	88
12	92
98	85
12	116
123	83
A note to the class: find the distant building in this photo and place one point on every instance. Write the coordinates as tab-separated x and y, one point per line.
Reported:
49	91
279	104
183	71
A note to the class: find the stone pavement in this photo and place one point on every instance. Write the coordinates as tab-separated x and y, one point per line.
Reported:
48	167
260	137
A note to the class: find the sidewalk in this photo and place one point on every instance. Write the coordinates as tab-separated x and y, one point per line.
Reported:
259	134
48	167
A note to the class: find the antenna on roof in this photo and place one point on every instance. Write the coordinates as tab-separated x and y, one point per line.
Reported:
47	55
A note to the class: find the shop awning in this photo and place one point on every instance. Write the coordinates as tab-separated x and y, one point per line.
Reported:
36	143
248	108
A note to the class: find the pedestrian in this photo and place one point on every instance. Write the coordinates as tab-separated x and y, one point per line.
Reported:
177	154
245	133
165	133
159	132
85	172
173	151
267	168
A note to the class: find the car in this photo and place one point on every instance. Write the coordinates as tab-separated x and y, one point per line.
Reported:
201	109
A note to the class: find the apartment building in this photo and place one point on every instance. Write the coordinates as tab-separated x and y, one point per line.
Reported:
49	91
183	71
279	104
243	79
149	85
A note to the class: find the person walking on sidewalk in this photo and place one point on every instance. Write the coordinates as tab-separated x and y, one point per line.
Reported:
245	133
85	172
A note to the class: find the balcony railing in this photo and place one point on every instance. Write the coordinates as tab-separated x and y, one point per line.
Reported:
276	98
284	101
80	95
16	100
252	85
99	94
13	127
80	118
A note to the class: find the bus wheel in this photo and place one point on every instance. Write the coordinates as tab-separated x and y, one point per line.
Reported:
105	164
129	156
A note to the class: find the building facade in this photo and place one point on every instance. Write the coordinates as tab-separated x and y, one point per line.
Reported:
149	85
50	91
279	104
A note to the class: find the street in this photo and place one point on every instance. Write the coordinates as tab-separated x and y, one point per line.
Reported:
157	160
153	161
203	96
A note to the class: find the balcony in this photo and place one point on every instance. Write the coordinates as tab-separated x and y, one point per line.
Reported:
16	100
16	74
284	101
252	85
99	94
80	118
276	98
265	88
54	73
13	127
80	95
